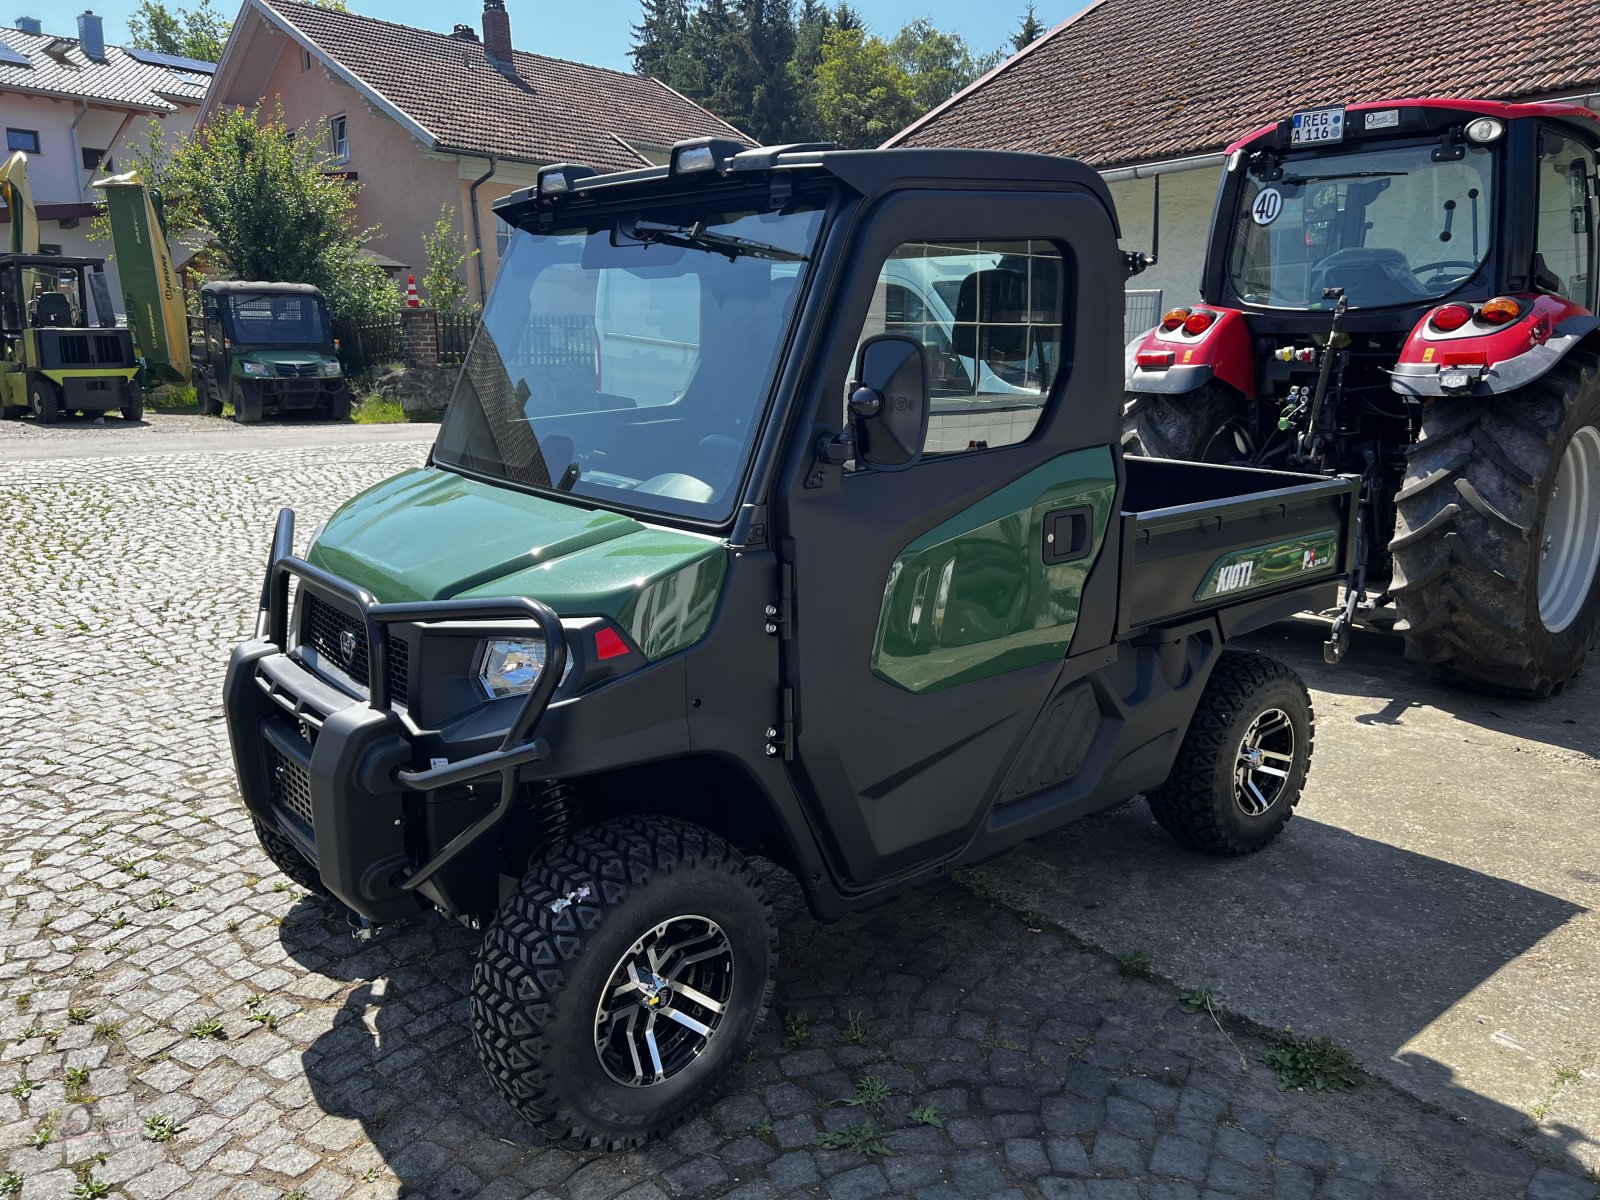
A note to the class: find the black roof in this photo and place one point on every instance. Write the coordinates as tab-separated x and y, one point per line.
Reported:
868	172
234	286
47	260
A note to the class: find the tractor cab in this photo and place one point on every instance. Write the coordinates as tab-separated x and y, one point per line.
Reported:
60	351
1405	291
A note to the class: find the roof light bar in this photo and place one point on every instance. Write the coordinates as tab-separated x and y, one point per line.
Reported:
703	154
559	178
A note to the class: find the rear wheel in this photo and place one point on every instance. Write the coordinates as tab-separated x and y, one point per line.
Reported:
1243	762
133	410
622	979
1205	425
207	395
45	401
247	407
1498	537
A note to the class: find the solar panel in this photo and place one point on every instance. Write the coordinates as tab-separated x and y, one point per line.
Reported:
11	58
175	61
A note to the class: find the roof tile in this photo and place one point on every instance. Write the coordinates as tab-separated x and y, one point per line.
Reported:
553	111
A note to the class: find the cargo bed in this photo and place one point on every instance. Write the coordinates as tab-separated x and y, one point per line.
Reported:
1198	537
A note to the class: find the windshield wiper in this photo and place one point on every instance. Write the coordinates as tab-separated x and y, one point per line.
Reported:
698	237
1345	175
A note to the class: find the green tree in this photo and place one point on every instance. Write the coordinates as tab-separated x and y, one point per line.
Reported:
658	38
1030	31
939	64
446	252
863	94
275	210
198	32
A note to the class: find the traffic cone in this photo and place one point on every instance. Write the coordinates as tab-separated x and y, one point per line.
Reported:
412	299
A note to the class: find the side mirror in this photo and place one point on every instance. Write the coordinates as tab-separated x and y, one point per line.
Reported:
889	402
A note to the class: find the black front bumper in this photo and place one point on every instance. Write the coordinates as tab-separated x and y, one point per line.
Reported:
338	775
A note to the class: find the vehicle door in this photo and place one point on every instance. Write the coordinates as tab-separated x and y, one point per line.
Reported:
934	605
216	343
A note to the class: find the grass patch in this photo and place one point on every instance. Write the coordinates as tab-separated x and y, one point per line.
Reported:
159	1127
863	1139
927	1114
871	1092
1320	1064
1137	965
174	399
10	1184
79	1015
1193	1000
373	409
763	1129
797	1028
856	1032
209	1027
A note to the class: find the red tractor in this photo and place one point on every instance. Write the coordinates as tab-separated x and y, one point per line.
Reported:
1405	291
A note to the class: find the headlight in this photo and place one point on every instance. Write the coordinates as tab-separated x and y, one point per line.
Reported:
255	368
332	370
510	667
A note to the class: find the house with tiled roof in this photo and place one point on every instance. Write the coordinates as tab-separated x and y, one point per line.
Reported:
423	120
71	103
1140	88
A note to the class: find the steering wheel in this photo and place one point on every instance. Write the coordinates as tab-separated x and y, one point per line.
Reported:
1443	263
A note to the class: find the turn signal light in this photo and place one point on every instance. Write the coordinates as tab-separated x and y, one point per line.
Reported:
1198	321
1502	310
1450	318
1174	318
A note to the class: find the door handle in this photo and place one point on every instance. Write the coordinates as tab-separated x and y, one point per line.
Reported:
1068	534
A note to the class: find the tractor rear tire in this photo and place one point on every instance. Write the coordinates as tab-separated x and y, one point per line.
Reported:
621	981
1498	534
46	402
1205	425
247	407
1244	759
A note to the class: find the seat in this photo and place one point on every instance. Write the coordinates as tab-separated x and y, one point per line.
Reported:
1368	275
51	310
996	300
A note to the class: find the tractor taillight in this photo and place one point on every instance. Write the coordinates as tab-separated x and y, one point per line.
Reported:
1154	360
1198	321
1502	310
1450	318
1174	318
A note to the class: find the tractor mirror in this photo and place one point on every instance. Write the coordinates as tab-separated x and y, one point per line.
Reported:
889	402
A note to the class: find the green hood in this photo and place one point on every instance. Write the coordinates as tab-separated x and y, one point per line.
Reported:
434	535
296	356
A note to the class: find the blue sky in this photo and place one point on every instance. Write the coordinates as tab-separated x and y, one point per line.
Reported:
598	31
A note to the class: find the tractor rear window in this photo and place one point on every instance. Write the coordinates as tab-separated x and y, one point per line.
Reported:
1391	226
262	320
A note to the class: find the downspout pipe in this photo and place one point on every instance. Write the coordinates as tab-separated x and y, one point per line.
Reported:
477	226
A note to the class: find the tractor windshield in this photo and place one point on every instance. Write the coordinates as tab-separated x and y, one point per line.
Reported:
1389	225
630	361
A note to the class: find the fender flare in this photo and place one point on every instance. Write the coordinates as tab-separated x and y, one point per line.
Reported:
1422	379
1223	352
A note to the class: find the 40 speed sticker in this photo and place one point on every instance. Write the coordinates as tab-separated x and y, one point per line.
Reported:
1268	206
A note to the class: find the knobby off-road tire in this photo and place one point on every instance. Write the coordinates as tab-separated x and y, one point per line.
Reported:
560	949
339	404
133	410
206	394
247	403
1225	794
287	859
1197	426
1470	539
46	402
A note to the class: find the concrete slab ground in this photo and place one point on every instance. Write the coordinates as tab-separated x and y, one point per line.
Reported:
1431	907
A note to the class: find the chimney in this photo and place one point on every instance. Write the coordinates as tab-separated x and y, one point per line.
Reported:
31	25
497	34
464	33
92	36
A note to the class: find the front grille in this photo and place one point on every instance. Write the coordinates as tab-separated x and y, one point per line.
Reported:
108	348
296	370
288	786
74	350
323	628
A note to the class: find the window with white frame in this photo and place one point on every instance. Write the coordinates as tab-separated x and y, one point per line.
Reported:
339	137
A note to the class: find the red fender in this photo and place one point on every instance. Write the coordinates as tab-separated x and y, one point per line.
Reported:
1478	358
1175	361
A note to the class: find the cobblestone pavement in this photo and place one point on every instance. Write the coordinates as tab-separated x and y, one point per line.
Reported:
176	1021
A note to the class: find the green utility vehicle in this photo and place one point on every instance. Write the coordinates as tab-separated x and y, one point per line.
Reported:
730	545
267	347
52	361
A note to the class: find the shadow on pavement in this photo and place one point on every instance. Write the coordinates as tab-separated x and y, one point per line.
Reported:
1375	669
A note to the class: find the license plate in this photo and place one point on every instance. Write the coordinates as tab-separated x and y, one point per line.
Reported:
1317	125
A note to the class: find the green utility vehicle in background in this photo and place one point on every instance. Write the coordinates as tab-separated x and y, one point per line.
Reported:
731	544
53	362
267	347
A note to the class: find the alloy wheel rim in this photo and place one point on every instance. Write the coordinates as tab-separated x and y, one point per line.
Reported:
1570	551
664	1002
1265	759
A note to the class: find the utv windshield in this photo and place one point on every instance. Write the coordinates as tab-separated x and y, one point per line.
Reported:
630	361
264	319
1389	225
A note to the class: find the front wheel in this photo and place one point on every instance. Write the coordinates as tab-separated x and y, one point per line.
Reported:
339	403
247	406
1498	541
1244	759
621	980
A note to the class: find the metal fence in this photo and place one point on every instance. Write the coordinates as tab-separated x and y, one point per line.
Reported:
455	335
1142	312
365	348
